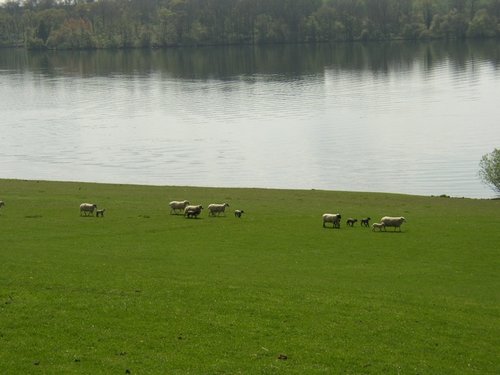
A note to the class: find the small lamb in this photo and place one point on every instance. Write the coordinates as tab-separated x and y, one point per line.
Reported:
238	213
192	211
351	221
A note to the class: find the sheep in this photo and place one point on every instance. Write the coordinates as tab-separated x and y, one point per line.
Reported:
87	209
178	205
100	213
192	211
238	213
366	221
380	226
2	203
216	208
395	222
351	221
332	218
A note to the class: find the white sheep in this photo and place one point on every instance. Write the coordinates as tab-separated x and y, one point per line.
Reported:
87	209
332	218
192	211
380	226
178	205
100	213
217	208
395	222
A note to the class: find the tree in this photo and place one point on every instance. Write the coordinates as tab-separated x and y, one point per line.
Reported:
489	169
482	25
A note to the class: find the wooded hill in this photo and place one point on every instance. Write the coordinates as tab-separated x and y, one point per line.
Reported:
85	24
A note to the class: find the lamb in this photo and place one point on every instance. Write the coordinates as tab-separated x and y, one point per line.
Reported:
332	218
216	208
238	213
365	221
192	211
100	213
395	222
192	214
380	226
87	209
178	205
351	221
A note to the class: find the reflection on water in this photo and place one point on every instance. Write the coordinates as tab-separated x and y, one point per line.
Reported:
398	117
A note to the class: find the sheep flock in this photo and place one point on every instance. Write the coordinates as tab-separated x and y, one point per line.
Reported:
329	219
190	211
193	211
385	222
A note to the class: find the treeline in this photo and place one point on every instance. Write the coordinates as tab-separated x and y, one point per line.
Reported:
88	24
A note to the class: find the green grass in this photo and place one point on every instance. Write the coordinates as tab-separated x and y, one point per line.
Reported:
154	293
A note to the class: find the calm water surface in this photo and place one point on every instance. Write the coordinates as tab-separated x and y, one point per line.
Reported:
399	117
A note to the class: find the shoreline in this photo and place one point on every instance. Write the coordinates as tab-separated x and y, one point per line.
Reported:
443	196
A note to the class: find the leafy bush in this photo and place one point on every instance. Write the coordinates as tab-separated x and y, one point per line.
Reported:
489	169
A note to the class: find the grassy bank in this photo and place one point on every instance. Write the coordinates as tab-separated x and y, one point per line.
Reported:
153	293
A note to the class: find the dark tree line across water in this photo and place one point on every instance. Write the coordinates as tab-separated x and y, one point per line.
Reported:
259	62
87	24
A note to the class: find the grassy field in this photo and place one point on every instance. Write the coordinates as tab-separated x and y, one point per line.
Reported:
142	291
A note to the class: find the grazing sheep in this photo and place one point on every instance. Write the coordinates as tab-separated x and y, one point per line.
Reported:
87	209
332	218
238	213
351	221
192	211
365	222
216	208
192	214
395	222
100	213
177	205
380	226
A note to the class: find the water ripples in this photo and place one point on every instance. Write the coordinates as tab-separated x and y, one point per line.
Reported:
409	130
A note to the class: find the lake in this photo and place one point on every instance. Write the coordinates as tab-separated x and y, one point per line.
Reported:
392	117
